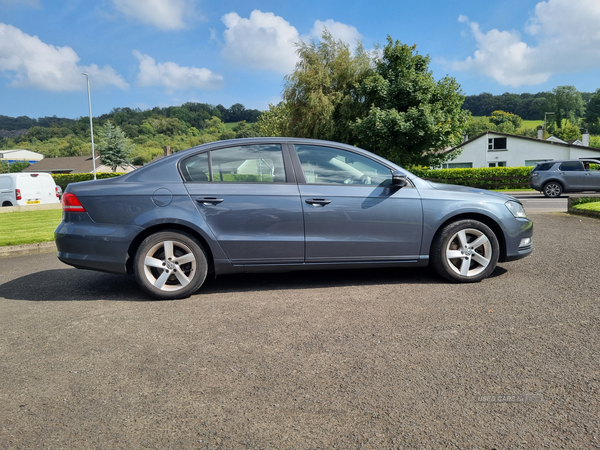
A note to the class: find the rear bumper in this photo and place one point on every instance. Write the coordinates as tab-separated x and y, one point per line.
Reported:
86	245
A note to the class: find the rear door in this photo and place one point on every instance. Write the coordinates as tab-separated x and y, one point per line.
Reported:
351	211
249	198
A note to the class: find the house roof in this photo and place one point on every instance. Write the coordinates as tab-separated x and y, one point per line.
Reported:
72	164
539	141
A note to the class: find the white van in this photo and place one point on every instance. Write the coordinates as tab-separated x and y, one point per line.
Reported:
27	189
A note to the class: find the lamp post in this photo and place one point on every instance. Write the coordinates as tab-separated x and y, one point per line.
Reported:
545	114
87	76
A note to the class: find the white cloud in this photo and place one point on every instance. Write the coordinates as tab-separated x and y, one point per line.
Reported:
164	14
28	61
339	31
266	41
263	41
568	40
172	76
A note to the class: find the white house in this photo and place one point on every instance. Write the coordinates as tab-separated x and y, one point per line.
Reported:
495	149
19	155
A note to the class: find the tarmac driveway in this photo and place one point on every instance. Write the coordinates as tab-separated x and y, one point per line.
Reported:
358	359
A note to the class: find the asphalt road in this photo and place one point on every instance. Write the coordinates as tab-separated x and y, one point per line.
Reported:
535	202
380	359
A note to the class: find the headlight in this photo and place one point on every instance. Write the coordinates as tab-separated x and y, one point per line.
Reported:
516	209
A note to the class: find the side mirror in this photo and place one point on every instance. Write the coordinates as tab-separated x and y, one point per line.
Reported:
398	179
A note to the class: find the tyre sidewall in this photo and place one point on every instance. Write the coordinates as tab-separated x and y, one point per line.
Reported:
177	236
441	241
560	189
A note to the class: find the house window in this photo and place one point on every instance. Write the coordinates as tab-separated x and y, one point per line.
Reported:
496	144
457	165
497	164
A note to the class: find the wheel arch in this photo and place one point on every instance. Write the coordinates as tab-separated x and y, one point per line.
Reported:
553	180
487	220
137	241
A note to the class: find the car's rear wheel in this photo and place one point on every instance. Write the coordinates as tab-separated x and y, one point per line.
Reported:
552	189
465	251
170	265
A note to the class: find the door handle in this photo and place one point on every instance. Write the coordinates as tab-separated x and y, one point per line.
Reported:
209	200
317	201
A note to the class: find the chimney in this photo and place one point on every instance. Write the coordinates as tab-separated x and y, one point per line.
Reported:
540	134
585	138
167	150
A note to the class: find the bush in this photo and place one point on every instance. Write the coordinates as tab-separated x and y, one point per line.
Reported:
486	177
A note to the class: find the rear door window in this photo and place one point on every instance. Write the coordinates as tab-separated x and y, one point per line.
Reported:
238	164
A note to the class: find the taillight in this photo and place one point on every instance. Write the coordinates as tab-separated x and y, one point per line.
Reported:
56	189
71	203
18	194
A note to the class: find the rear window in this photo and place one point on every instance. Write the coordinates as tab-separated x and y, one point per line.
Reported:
543	167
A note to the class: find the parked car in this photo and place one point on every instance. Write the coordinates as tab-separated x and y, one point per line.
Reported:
552	178
18	189
282	204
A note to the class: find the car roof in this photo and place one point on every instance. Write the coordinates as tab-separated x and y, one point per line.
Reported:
571	160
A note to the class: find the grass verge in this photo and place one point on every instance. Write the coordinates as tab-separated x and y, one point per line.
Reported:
28	227
592	206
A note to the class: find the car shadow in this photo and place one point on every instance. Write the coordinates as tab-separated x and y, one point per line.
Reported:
72	285
82	285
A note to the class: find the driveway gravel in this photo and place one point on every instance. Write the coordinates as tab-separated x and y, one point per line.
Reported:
377	359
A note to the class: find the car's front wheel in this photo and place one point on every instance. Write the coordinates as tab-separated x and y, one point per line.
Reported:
170	265
465	251
552	189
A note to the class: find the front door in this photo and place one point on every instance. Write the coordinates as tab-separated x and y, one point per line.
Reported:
351	210
592	177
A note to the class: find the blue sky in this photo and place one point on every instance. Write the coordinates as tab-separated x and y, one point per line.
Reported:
146	53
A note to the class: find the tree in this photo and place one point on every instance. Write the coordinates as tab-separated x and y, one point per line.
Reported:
411	117
502	117
320	95
568	132
275	121
15	167
114	147
567	103
592	115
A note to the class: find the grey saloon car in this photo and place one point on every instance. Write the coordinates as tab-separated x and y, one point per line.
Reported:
552	178
282	204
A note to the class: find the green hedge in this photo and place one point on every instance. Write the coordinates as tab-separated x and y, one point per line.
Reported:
486	177
63	180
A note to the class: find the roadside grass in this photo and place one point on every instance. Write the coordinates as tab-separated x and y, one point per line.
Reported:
28	227
592	206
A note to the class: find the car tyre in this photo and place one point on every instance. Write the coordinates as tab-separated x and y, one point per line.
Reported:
465	251
553	189
170	265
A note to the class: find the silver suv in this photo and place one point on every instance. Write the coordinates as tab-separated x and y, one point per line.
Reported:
573	175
